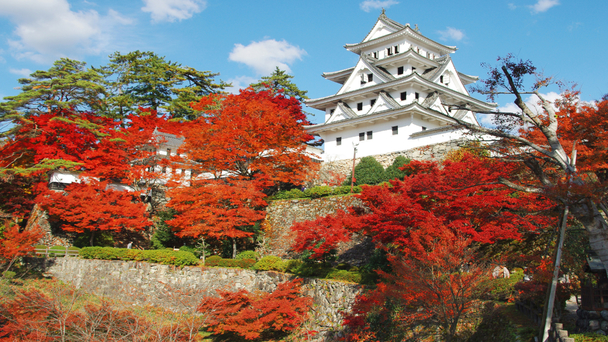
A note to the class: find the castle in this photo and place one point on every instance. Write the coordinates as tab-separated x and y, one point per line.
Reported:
402	94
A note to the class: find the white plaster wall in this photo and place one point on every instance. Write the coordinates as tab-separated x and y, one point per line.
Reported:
383	140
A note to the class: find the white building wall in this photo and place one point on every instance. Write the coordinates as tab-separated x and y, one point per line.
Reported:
383	140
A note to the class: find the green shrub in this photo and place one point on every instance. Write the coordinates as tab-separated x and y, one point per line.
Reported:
502	289
270	263
589	337
247	255
318	191
213	260
393	171
292	266
344	275
164	256
289	194
217	261
246	263
341	190
368	171
313	269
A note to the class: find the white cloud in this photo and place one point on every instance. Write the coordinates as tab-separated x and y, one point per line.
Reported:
171	10
264	56
531	101
543	5
369	5
451	33
512	6
46	30
21	72
239	83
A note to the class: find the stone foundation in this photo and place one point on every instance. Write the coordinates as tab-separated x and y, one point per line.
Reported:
330	170
182	288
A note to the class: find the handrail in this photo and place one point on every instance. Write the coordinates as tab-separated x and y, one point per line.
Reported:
56	252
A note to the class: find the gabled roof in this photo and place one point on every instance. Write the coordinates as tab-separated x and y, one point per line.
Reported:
339	76
411	107
386	21
400	30
444	92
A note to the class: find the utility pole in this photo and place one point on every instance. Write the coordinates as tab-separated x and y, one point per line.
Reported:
352	175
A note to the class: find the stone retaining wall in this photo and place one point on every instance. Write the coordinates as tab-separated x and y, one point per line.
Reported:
343	167
181	288
277	237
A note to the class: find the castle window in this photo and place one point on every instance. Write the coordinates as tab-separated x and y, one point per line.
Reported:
400	70
413	69
372	102
363	79
417	96
396	48
370	77
375	54
395	130
370	135
331	111
403	96
441	79
389	51
339	141
360	106
168	152
423	128
361	136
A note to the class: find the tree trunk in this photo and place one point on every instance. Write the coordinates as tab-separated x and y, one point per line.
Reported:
233	248
595	224
92	237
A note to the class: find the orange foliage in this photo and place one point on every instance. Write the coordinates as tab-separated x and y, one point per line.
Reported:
91	206
237	147
252	316
15	243
216	208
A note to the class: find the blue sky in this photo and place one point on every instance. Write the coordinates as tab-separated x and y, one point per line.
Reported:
244	40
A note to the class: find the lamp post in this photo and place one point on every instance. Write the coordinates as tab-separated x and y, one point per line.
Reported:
352	175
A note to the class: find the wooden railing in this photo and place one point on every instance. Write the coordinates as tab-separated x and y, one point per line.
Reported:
48	252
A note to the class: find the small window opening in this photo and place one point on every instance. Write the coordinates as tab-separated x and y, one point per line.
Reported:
370	77
441	79
360	106
168	152
370	135
389	51
361	136
376	54
339	141
413	69
423	128
403	96
363	79
417	96
400	70
331	111
395	130
372	102
396	48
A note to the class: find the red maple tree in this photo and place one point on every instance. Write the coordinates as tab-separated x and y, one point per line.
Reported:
238	146
254	315
461	196
15	243
92	206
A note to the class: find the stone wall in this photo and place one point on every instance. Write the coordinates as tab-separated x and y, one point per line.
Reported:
181	288
430	152
39	218
277	237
